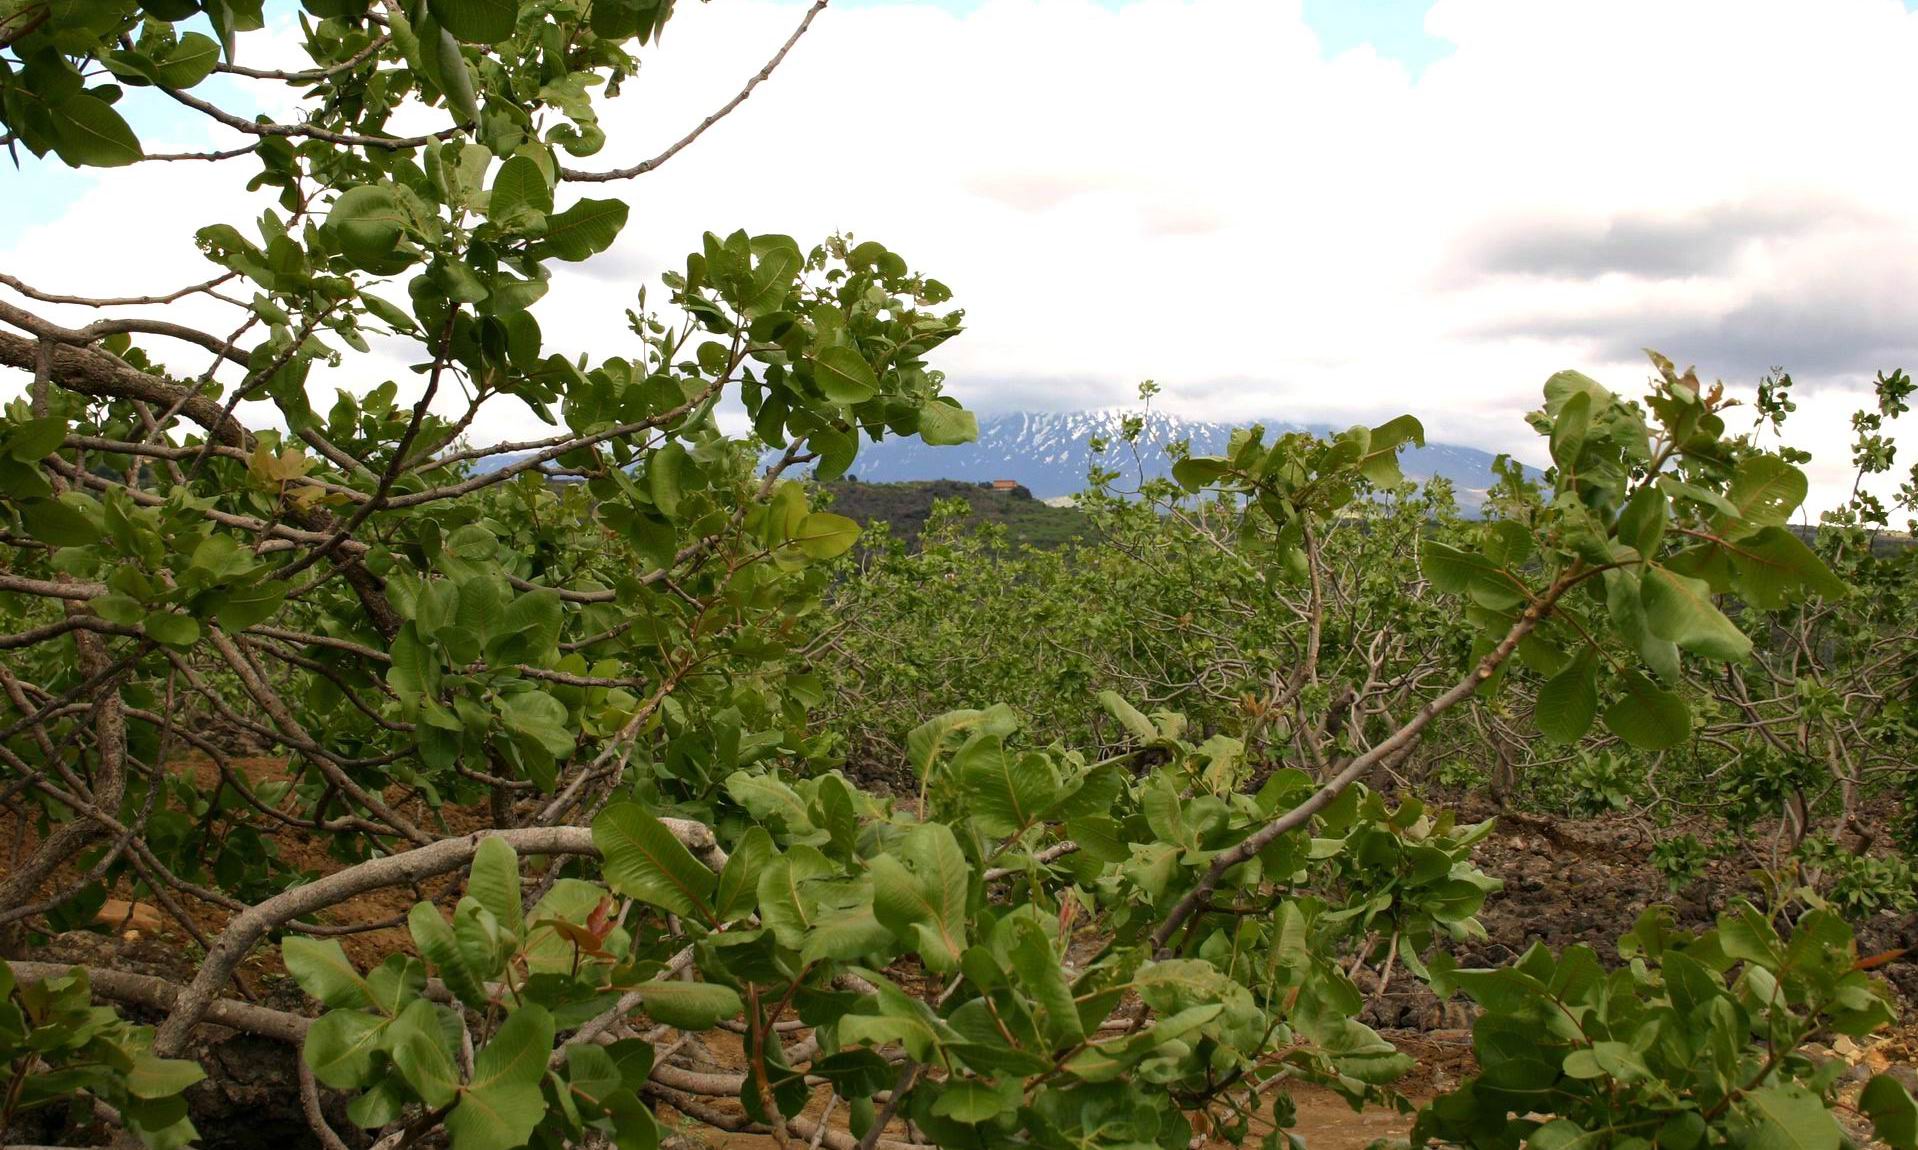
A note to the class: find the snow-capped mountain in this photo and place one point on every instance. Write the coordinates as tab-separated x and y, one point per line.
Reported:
1050	452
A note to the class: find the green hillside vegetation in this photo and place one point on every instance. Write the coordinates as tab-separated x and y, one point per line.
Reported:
905	508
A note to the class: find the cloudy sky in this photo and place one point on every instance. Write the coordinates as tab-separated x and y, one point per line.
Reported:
1330	210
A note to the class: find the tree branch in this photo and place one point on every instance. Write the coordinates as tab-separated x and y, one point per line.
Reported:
725	110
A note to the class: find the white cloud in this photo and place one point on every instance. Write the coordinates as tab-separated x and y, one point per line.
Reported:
1189	190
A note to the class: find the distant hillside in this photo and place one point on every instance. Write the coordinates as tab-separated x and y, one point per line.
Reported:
907	505
1048	452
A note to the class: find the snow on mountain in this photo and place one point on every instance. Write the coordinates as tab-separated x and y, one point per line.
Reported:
1050	452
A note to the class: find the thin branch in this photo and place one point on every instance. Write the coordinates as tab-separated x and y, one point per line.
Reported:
252	924
309	75
725	110
1400	742
116	301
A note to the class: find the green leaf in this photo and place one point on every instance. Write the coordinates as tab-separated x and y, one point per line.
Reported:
447	68
1005	798
1627	610
770	800
739	879
482	944
946	424
497	1117
1043	982
1565	384
896	1017
570	901
518	1052
1894	1116
245	607
57	522
528	629
972	1101
1606	1058
585	229
1648	717
502	1105
494	881
519	186
1129	716
688	1005
823	535
785	904
846	933
1569	429
591	1072
855	1073
539	717
1380	462
1748	936
666	474
388	313
179	65
322	969
229	17
1568	701
844	375
1680	608
382	1102
35	439
436	943
920	894
1458	572
367	223
634	1127
340	1047
1099	837
1194	472
646	861
191	61
87	132
1790	1118
1565	1134
477	21
777	261
1641	525
395	982
161	1077
1766	490
1700	495
925	742
1774	566
419	1051
172	629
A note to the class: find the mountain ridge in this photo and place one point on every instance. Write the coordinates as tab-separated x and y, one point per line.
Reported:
1049	453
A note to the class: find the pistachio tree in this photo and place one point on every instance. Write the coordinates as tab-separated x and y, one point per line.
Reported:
551	685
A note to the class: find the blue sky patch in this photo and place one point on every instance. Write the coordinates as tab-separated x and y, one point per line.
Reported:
1394	28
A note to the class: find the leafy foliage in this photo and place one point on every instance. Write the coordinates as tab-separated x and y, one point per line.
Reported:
1694	1042
57	1047
1118	913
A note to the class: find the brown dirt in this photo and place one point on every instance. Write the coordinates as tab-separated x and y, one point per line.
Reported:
296	850
250	1097
1587	881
